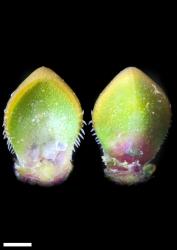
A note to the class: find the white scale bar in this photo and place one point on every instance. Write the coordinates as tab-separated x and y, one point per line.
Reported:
28	244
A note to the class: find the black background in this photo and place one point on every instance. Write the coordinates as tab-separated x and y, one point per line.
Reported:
87	49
